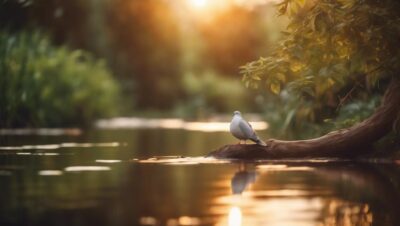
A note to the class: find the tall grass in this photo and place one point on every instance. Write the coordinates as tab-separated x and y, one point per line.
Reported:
44	85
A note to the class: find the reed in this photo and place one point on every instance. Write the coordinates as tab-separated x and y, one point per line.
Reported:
45	85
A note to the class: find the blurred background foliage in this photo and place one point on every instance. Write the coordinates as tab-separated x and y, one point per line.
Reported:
43	85
322	64
177	58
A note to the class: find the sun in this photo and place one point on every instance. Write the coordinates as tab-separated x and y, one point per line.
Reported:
206	10
198	3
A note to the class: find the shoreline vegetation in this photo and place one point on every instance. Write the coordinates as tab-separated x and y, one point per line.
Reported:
47	86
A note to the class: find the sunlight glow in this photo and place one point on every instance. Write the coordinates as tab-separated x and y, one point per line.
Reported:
235	216
198	3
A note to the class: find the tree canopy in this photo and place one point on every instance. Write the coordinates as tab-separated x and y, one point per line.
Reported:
330	45
330	48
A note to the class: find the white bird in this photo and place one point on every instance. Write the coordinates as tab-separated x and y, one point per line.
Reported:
242	130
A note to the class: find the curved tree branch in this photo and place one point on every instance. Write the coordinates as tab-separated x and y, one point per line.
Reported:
350	142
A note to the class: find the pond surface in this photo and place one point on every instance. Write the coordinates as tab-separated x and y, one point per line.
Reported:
157	177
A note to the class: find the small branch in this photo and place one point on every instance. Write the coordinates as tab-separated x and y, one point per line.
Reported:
344	99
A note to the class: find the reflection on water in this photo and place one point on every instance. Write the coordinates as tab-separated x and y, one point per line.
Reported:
108	160
171	123
58	146
86	168
241	180
145	177
235	216
50	172
41	132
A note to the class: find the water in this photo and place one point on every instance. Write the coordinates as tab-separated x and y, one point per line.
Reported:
158	177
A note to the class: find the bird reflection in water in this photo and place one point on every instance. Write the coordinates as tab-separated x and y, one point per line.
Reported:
242	179
239	182
289	193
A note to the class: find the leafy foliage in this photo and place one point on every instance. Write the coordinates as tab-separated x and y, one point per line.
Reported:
330	47
43	85
354	112
328	42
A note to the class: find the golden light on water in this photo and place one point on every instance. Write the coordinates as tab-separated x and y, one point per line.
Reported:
50	172
235	216
282	167
171	123
86	168
59	146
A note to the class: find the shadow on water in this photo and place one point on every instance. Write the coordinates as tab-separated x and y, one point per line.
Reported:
107	178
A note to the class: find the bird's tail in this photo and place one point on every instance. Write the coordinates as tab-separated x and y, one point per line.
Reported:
260	142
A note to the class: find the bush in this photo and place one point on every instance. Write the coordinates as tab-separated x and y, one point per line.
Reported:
44	85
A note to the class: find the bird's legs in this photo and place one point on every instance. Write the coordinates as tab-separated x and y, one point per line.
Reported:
242	167
244	142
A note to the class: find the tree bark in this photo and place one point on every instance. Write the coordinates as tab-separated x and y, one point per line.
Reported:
350	142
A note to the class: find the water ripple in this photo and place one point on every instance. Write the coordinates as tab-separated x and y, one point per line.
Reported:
86	168
50	172
58	146
179	160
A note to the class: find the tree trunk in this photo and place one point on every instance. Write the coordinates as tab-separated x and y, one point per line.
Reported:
350	142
